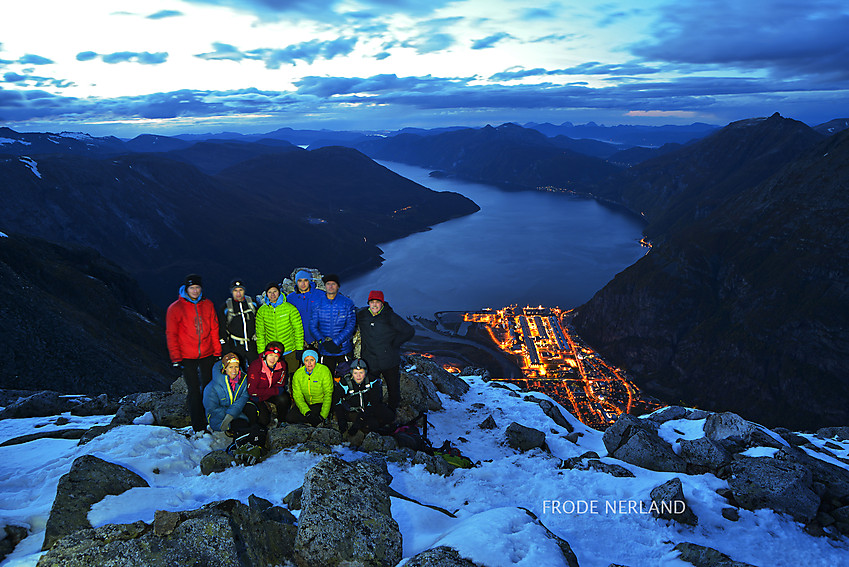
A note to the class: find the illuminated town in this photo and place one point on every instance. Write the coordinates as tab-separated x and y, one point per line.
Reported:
556	362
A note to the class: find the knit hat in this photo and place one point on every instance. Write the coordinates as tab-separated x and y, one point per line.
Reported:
359	363
331	278
311	353
378	295
193	279
273	347
271	285
237	283
303	275
227	359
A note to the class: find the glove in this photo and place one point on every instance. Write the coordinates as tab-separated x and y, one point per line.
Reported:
177	368
313	418
331	347
225	423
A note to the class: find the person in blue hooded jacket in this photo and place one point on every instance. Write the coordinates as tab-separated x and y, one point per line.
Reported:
333	323
224	398
305	298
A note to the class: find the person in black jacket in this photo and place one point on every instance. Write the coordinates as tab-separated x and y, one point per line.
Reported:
362	405
382	332
238	324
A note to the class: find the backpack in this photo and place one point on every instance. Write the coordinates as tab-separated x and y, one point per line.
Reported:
248	448
408	435
230	311
453	456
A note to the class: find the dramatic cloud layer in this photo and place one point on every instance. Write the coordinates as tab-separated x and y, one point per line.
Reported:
387	63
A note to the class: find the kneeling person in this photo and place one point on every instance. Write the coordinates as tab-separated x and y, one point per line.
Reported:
312	391
363	404
268	387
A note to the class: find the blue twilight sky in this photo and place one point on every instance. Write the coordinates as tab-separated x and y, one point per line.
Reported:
165	66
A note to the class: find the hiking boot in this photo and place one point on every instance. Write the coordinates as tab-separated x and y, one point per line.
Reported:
247	454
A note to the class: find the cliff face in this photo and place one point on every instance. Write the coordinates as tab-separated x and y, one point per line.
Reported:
746	308
73	322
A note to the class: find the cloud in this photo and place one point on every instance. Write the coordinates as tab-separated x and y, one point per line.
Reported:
429	43
164	14
490	41
30	59
307	51
382	55
786	39
143	58
29	80
517	74
13	78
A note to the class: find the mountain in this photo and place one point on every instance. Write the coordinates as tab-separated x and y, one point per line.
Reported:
741	304
75	143
74	322
509	155
833	126
627	135
160	219
216	155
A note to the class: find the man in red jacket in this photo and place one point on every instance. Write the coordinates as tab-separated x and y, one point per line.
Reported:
191	329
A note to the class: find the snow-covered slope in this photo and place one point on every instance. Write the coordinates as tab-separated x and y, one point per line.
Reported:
602	517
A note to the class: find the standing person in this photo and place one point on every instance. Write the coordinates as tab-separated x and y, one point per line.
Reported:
333	322
363	405
191	331
238	324
268	386
305	298
382	332
312	392
279	321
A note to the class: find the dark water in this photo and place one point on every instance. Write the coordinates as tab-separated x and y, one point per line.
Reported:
527	248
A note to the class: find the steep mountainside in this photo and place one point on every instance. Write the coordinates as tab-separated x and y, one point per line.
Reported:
746	309
71	321
161	219
508	155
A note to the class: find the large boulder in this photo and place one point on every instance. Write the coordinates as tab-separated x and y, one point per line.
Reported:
442	556
524	438
418	394
623	428
555	414
649	451
703	454
702	556
88	482
668	503
46	403
452	386
346	517
764	482
221	534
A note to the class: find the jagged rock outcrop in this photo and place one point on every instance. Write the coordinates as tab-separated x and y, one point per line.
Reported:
452	386
346	516
636	441
47	403
88	482
764	482
555	414
220	534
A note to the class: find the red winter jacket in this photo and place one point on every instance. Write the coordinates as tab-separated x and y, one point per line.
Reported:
259	384
191	330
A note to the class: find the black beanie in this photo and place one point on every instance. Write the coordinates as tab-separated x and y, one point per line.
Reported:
271	285
193	279
331	278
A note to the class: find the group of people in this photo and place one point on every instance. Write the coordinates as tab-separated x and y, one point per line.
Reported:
253	365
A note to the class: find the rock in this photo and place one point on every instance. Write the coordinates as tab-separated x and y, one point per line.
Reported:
216	461
488	423
433	464
764	482
452	386
792	438
55	434
326	436
374	442
88	482
179	387
572	437
840	433
649	451
524	438
841	514
702	556
441	556
62	421
293	499
93	432
668	503
287	436
730	430
346	516
703	454
623	428
418	394
172	411
97	406
128	411
554	413
607	468
730	514
39	404
221	534
12	536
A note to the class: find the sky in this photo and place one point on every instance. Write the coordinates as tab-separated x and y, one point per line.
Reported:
166	66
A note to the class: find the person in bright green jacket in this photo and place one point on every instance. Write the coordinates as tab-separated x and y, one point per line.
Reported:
312	392
278	320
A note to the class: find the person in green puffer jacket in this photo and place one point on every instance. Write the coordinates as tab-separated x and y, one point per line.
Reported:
279	321
312	392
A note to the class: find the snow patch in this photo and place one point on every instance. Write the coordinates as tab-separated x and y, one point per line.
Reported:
3	235
31	164
760	452
14	141
145	419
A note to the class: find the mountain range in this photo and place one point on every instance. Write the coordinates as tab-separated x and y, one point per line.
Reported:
742	304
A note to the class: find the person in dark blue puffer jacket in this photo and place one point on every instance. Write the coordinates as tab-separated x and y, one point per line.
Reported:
332	323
